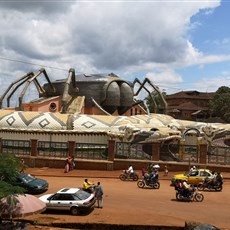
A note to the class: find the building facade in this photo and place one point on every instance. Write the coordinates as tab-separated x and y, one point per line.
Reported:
189	105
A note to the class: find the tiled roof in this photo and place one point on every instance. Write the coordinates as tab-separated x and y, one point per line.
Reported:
190	94
187	106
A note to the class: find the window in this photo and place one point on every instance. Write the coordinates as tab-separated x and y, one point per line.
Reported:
67	197
204	173
52	149
91	151
17	147
194	173
56	197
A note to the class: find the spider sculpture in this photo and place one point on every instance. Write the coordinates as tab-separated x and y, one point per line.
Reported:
108	92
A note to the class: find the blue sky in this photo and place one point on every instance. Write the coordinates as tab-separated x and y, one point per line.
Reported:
178	45
211	36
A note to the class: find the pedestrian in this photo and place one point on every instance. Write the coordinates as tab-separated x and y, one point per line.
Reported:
99	195
73	163
166	171
22	166
70	160
66	169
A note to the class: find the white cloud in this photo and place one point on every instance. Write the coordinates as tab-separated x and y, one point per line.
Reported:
164	77
211	84
101	36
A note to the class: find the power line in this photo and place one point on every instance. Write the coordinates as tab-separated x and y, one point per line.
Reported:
30	63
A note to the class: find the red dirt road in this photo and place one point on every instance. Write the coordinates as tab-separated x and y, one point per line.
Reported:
125	203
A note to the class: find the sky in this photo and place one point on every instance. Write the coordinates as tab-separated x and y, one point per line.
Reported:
178	45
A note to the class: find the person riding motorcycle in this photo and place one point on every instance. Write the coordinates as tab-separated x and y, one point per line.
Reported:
130	170
154	175
186	188
219	179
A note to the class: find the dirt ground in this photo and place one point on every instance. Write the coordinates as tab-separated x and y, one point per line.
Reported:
126	204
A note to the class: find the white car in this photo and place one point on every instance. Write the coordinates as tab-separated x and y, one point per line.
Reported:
73	199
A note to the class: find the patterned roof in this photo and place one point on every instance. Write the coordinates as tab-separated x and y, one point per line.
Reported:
33	120
145	127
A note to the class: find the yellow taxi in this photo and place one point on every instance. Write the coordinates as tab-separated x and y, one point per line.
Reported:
193	177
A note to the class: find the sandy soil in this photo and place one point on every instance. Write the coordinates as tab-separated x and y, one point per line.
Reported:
125	203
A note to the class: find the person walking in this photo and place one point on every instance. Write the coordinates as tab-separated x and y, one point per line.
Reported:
166	171
99	195
66	169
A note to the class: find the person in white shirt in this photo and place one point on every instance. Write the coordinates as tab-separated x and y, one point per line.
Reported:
130	170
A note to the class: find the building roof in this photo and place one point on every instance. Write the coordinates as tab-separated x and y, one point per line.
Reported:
144	128
187	106
190	94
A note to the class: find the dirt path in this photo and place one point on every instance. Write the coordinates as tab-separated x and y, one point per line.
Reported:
125	203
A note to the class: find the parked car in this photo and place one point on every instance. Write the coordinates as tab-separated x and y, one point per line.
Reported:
193	177
31	184
73	199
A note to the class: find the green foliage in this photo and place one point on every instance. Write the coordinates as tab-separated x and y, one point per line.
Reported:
9	168
157	106
220	103
6	190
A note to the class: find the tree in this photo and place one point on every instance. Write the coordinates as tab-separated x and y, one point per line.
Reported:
155	105
9	168
219	106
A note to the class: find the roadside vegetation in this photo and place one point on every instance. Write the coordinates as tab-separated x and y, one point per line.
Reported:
219	106
9	168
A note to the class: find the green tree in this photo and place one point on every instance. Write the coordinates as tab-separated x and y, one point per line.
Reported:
154	102
9	168
219	106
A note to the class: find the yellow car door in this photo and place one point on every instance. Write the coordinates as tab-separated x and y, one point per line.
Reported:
194	177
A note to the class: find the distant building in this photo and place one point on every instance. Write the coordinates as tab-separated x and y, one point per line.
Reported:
189	105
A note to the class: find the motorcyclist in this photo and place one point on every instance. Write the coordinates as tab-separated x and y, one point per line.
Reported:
88	186
212	179
219	179
154	175
179	184
130	170
186	188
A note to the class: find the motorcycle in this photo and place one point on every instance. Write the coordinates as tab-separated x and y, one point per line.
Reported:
210	185
148	182
128	176
190	194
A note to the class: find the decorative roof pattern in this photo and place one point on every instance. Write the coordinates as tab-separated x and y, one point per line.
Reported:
139	128
32	120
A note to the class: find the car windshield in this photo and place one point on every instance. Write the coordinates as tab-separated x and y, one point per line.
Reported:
193	173
81	195
27	178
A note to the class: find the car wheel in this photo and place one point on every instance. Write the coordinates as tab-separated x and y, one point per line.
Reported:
75	211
